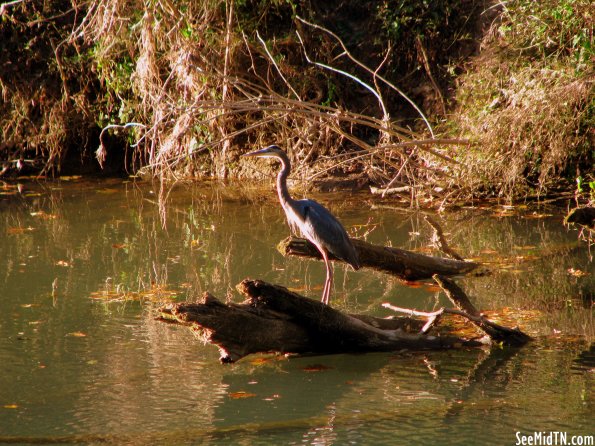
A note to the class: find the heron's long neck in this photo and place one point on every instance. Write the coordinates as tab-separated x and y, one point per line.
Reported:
284	196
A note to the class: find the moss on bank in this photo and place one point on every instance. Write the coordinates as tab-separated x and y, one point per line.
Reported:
196	82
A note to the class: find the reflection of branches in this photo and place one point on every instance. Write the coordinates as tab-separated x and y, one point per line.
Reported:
487	367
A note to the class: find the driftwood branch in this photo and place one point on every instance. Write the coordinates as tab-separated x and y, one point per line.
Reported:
498	333
273	319
404	264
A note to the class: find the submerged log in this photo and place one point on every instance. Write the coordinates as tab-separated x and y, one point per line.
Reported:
274	319
404	264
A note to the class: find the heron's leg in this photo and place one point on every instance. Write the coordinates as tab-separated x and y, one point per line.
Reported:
328	283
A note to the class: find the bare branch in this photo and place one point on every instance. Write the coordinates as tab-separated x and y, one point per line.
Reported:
346	51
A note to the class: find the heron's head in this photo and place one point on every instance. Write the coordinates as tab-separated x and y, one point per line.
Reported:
268	152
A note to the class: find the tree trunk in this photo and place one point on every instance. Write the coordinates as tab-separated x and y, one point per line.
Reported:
274	319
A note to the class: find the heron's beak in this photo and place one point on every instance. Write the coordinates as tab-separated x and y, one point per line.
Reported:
261	152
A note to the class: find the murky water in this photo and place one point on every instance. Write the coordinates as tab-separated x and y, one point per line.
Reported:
82	359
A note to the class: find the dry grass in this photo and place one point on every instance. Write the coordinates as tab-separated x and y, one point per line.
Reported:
526	103
205	93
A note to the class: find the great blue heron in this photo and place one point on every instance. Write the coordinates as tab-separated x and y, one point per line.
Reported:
313	220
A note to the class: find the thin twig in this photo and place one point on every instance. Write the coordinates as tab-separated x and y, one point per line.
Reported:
346	51
272	59
344	73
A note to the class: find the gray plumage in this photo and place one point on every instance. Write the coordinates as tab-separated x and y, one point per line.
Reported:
312	220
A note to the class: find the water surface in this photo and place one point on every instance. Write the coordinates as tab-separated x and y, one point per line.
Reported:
82	359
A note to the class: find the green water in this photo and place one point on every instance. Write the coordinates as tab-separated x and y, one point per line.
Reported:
83	361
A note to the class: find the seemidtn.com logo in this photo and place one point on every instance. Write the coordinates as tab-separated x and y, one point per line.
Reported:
553	439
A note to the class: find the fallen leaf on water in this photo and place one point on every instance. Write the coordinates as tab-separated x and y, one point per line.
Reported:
502	214
241	394
413	284
316	368
432	288
19	230
43	215
260	361
119	245
527	258
11	406
71	177
77	334
157	293
537	216
577	272
62	263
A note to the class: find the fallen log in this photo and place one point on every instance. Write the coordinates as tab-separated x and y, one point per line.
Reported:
274	319
404	264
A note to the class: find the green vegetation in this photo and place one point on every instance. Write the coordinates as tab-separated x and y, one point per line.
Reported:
181	88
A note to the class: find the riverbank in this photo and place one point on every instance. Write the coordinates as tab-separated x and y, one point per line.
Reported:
358	93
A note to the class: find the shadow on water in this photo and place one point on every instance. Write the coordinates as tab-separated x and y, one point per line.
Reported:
83	361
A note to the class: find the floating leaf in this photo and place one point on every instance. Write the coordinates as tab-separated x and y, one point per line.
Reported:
11	406
241	394
156	293
119	245
503	214
19	230
432	288
577	272
537	216
77	334
62	263
260	361
43	215
316	368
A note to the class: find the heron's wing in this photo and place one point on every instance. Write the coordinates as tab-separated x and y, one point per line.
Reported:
323	229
